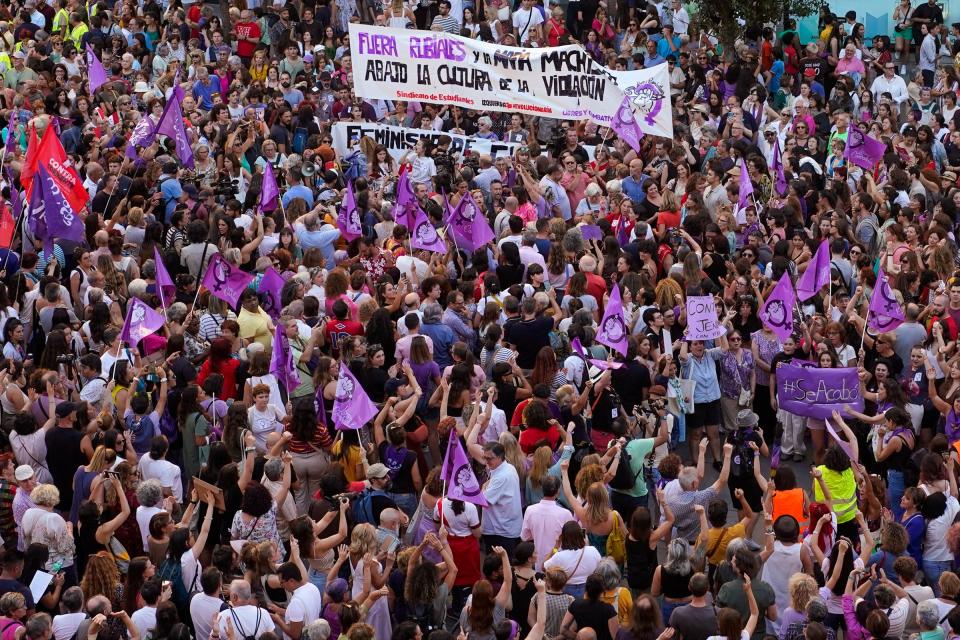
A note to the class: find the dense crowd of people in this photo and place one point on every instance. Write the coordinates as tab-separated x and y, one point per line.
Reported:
210	476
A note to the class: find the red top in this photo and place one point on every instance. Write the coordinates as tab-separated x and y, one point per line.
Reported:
529	438
228	369
245	30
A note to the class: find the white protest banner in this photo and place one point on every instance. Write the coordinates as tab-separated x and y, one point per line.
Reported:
702	323
557	82
398	140
649	90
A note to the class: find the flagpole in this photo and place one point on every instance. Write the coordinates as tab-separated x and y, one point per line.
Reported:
13	236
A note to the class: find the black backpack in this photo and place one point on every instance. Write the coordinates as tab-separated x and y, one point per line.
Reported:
625	479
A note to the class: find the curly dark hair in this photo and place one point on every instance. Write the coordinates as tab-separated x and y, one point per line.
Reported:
256	500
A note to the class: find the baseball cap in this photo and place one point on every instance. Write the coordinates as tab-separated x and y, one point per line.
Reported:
375	471
23	473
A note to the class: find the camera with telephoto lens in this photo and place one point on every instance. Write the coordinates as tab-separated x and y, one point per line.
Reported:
226	186
66	358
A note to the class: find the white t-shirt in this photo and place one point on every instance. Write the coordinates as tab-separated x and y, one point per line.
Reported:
304	605
203	608
935	546
263	423
461	525
567	560
144	620
64	626
245	623
190	568
144	515
524	20
167	473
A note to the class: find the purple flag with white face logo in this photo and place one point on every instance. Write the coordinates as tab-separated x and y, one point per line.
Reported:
405	211
613	327
817	275
468	224
96	73
269	192
141	321
624	123
352	407
271	284
143	135
281	360
224	280
885	313
165	284
424	235
862	150
348	219
12	132
459	480
171	125
746	186
777	311
781	179
61	221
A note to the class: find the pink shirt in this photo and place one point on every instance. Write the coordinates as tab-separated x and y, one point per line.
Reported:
542	523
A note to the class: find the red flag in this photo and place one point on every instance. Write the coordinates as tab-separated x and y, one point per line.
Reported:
54	159
30	163
7	227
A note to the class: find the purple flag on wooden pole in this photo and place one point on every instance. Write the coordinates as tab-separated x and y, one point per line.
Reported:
746	186
468	224
613	327
777	311
224	280
624	123
281	361
96	73
352	407
885	313
405	211
165	284
269	191
61	221
35	220
141	321
460	483
171	125
424	235
817	275
781	179
348	219
862	150
271	284
11	143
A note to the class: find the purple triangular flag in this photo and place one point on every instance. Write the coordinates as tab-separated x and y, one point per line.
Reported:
225	281
271	284
459	480
613	327
424	235
468	224
352	407
885	313
141	321
62	222
270	192
281	360
165	285
777	311
16	202
624	123
746	186
95	71
817	274
348	219
11	143
171	125
36	221
404	212
781	179
862	150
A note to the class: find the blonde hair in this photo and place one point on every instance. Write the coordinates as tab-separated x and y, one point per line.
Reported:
45	495
542	459
802	587
363	539
598	503
100	577
589	473
513	454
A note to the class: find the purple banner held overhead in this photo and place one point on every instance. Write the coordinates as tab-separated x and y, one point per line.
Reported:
812	392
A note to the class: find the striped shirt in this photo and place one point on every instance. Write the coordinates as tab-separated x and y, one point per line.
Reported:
447	23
